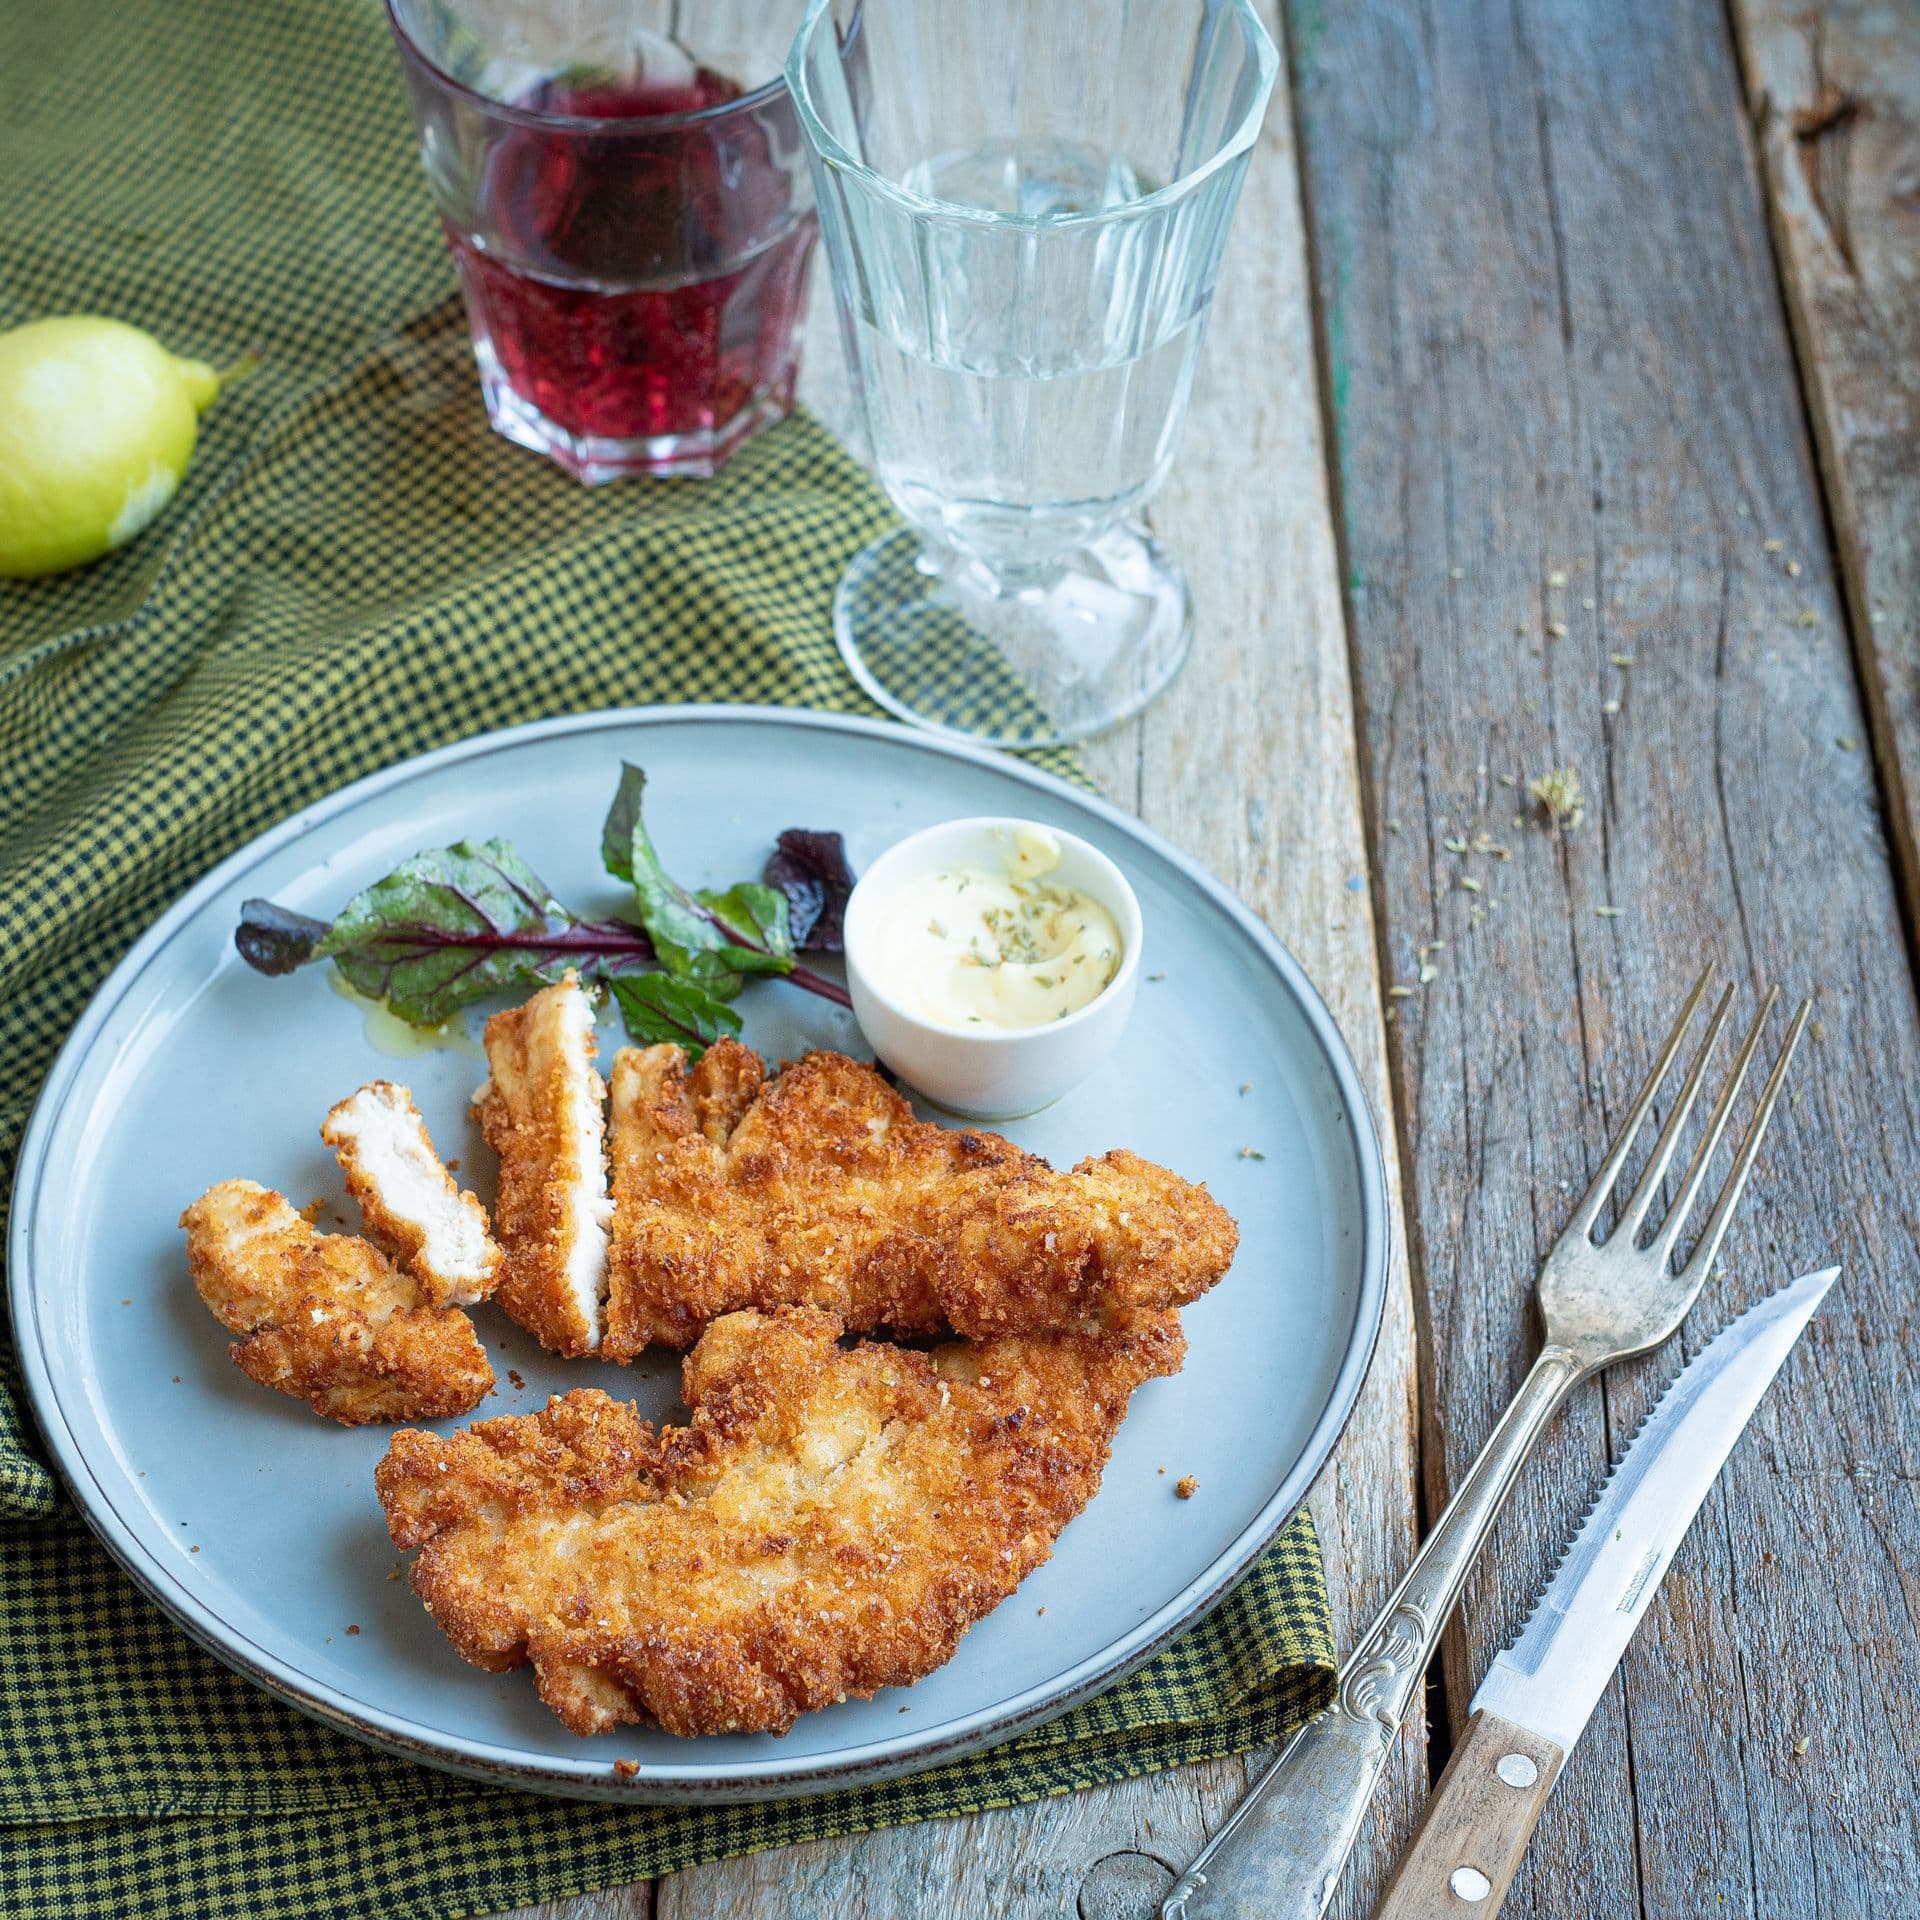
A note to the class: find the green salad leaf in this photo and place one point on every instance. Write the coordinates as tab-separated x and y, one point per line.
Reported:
657	1007
458	924
713	936
451	926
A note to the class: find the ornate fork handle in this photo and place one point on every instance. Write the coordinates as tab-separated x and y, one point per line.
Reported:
1279	1856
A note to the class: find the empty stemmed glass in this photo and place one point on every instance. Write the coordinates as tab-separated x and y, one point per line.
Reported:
1024	207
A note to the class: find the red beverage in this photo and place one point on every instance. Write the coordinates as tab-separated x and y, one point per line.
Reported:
632	234
579	290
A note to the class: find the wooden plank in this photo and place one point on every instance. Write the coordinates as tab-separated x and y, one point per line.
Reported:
1834	90
616	1903
1566	424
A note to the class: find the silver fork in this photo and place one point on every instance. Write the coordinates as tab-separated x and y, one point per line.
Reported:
1282	1851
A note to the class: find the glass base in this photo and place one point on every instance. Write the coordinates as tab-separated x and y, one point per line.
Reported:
596	459
939	640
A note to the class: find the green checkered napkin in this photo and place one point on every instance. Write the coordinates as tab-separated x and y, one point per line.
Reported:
358	570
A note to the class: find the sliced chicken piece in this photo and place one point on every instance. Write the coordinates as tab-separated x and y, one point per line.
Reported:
543	1112
326	1317
407	1198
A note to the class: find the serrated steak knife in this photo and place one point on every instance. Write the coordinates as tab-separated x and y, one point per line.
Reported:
1538	1694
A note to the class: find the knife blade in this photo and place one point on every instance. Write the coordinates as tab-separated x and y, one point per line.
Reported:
1540	1692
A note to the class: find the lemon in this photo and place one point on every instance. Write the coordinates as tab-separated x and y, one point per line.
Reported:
97	424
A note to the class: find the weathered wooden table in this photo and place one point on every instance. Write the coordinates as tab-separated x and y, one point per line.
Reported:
1562	409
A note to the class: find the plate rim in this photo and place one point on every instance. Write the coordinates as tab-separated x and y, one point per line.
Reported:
694	1783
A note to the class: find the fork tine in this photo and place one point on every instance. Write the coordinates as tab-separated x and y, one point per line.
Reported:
1718	1221
1588	1211
1675	1223
1635	1211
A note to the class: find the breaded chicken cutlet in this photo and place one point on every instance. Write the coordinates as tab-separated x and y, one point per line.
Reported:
831	1521
411	1208
542	1112
821	1188
327	1317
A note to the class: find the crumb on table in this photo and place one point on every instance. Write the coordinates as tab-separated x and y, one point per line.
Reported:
1186	1487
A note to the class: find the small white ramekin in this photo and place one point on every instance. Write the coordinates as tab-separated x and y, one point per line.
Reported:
989	1073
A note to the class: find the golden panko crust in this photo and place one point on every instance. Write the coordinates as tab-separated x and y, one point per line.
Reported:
831	1521
820	1188
325	1316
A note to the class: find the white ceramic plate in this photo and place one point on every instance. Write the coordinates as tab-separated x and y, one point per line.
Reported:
188	1068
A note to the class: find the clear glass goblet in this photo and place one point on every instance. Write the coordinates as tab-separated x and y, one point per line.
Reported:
1024	205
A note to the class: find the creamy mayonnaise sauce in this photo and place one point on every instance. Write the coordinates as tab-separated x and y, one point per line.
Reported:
999	946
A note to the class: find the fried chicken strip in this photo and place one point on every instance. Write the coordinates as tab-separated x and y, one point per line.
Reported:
542	1111
326	1317
410	1207
830	1523
820	1188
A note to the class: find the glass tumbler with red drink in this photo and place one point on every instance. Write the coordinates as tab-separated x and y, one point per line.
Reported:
625	190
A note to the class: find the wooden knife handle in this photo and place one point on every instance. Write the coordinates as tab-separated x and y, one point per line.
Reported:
1476	1826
